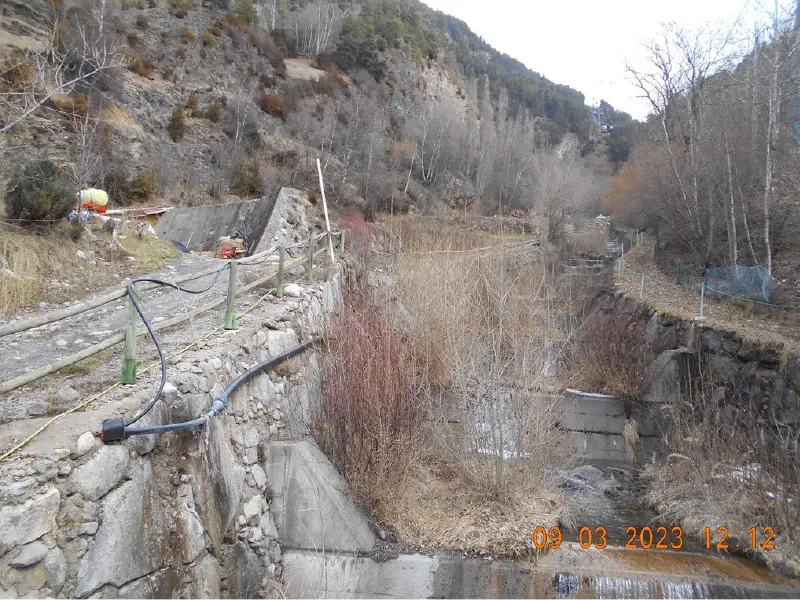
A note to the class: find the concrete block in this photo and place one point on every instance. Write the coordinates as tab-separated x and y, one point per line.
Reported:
311	501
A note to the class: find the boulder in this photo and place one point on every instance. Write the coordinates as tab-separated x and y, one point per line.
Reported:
86	442
55	569
31	554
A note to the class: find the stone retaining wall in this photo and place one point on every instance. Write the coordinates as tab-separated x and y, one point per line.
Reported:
766	374
183	514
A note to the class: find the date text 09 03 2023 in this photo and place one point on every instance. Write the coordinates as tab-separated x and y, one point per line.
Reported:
659	538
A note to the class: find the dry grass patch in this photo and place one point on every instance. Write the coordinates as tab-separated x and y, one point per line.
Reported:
38	260
436	508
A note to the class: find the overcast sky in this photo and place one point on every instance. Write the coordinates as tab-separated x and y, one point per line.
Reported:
584	43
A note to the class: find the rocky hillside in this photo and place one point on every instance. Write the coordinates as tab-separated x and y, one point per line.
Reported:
185	102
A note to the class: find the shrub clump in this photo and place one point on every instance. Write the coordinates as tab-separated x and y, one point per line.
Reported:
610	355
247	181
245	11
213	112
272	105
177	124
38	194
191	102
187	35
369	421
142	21
142	66
141	188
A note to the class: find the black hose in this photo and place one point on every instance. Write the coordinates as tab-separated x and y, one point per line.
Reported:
220	402
116	429
139	309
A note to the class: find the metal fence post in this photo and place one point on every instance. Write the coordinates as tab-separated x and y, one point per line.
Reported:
641	288
310	266
330	245
702	302
281	258
341	241
129	352
230	318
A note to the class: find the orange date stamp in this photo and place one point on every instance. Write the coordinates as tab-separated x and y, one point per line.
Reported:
658	538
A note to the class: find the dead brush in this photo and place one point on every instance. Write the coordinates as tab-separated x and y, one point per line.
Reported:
369	421
609	355
479	342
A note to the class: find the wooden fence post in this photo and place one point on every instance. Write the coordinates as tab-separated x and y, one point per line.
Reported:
281	258
310	266
230	317
129	352
342	246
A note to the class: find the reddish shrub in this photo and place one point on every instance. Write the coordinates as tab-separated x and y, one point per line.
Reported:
369	420
273	105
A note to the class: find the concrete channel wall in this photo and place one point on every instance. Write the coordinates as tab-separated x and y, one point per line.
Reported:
199	227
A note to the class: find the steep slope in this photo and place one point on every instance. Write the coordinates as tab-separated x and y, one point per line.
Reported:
404	106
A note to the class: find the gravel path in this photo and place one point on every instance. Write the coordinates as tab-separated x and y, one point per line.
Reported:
38	347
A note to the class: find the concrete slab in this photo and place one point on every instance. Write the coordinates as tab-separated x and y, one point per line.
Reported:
311	502
560	574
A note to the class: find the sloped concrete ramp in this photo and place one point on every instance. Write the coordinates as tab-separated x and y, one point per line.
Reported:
311	503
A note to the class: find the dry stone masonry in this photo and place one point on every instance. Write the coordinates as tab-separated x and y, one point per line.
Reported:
185	514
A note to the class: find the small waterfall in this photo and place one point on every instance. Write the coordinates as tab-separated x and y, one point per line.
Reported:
569	585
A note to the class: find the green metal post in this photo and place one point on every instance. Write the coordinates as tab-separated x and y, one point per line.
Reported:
310	266
129	352
281	258
230	317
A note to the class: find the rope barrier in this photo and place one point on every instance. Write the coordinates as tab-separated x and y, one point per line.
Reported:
99	395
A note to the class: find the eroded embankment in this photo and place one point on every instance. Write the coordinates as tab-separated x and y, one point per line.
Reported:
725	410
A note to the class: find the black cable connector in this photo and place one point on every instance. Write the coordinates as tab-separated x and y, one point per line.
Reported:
113	430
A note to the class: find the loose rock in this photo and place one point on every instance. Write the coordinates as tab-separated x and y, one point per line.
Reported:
30	555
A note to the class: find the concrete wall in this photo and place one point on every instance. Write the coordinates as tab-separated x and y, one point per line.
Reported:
595	428
199	227
560	574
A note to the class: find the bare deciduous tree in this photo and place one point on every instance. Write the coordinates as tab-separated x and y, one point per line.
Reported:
77	53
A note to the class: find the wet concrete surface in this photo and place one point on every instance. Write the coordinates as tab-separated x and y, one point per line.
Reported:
560	574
